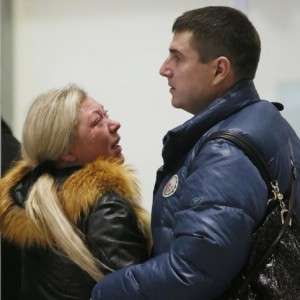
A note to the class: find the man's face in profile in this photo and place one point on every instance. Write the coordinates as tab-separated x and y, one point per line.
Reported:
189	79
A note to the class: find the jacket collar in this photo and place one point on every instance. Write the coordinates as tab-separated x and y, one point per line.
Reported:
20	191
178	141
77	195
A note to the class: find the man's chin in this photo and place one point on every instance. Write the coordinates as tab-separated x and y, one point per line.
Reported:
175	103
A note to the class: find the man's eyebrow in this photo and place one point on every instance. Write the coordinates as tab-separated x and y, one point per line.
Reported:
175	51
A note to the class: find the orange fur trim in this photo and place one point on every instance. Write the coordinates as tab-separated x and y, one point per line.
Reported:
84	187
14	222
78	194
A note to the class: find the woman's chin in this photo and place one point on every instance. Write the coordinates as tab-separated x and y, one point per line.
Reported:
120	158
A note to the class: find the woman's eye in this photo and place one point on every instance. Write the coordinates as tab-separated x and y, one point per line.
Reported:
95	122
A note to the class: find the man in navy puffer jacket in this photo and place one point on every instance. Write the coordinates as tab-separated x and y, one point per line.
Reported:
208	197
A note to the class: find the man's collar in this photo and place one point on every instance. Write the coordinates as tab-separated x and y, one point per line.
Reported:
181	139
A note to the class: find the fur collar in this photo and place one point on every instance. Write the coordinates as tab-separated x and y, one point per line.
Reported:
78	194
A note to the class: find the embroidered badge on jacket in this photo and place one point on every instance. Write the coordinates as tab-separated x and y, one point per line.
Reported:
171	186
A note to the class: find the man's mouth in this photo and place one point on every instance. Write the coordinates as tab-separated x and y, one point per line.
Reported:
172	88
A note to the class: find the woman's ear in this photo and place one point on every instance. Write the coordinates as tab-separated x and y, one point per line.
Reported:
69	157
223	69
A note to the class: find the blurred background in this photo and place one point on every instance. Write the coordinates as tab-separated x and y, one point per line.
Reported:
114	49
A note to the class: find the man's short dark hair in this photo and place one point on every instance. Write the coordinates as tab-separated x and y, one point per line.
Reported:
223	31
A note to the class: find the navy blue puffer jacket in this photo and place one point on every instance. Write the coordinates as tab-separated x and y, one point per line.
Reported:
208	199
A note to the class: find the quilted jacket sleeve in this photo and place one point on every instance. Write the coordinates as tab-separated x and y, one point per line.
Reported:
113	234
222	199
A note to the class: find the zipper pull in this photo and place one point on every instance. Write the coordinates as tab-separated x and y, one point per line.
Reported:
277	195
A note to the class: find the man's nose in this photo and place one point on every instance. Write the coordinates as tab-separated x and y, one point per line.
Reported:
165	69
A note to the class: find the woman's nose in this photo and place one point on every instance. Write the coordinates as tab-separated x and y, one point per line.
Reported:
114	126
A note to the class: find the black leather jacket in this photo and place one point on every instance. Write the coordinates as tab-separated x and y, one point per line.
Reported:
111	233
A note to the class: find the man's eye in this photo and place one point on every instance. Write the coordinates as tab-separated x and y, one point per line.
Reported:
175	57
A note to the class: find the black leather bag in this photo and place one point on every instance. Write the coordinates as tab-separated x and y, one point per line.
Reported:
273	267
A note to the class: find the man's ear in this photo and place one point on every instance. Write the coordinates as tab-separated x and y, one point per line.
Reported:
223	69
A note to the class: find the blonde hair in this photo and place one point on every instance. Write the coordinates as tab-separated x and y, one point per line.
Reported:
51	123
49	129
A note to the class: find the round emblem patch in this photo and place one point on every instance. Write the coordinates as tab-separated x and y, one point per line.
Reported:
171	186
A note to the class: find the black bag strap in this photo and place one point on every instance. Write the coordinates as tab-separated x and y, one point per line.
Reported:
244	144
247	147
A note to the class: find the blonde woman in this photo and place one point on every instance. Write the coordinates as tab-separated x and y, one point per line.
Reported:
71	204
